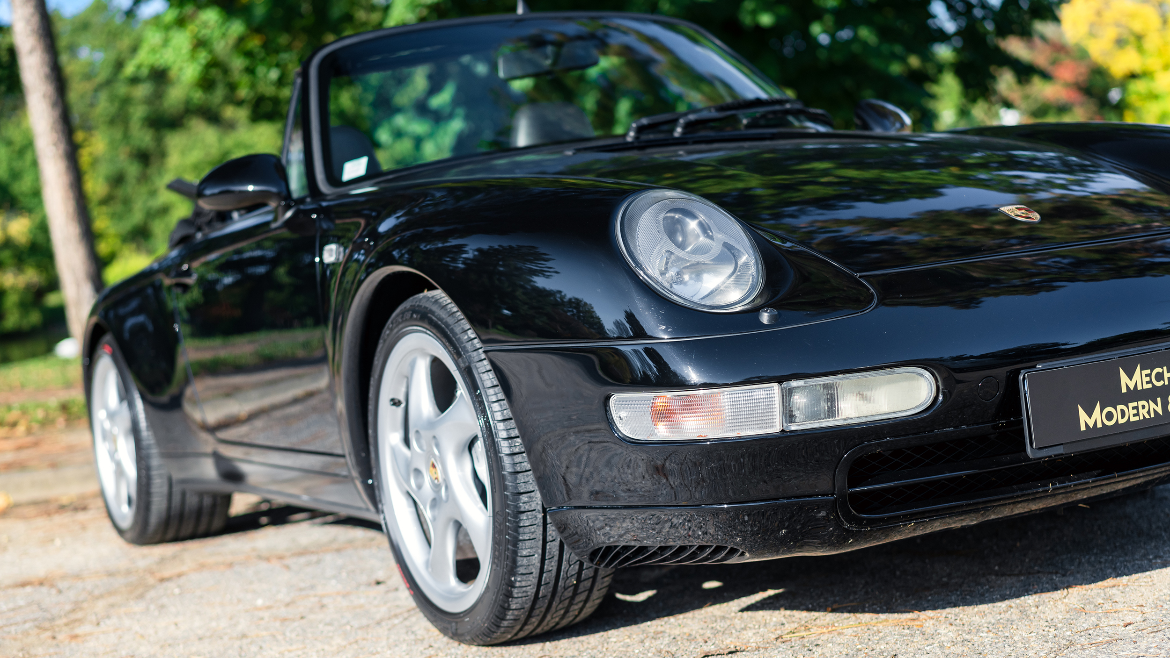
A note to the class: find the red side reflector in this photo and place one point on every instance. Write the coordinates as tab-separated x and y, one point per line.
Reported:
108	349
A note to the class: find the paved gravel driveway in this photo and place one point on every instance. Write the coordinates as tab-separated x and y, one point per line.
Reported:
1090	582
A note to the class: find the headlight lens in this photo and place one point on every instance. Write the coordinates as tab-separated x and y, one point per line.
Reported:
690	251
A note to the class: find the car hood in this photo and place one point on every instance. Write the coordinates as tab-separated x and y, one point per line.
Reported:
880	202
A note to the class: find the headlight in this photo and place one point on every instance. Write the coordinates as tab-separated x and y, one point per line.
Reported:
690	251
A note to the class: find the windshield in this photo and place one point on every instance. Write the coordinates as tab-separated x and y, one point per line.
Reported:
453	91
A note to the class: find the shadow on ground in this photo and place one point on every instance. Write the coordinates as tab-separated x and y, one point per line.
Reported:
987	563
275	514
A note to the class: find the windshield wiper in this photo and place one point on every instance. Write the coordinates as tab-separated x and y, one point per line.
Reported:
761	108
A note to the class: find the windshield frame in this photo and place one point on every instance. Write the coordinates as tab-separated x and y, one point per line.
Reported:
316	90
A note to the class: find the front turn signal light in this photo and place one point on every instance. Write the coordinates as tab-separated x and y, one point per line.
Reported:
742	411
698	414
859	398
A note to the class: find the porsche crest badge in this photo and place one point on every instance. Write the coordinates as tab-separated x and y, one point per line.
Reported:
1022	213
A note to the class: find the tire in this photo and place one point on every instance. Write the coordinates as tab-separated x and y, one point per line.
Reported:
533	583
145	506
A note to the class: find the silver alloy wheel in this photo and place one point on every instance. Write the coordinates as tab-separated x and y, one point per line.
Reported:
434	473
113	441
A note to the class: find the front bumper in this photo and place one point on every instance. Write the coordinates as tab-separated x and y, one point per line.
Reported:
827	490
632	536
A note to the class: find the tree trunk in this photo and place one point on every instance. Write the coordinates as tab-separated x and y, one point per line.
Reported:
78	269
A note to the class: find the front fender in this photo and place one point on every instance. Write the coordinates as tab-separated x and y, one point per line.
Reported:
528	261
534	260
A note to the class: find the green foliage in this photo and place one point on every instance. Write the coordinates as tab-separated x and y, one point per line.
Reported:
867	48
1065	85
9	76
244	53
28	417
136	127
829	53
43	373
26	255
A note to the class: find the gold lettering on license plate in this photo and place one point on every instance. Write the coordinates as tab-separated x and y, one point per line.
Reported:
1140	380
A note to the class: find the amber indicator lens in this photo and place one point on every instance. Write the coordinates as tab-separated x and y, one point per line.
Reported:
698	414
858	398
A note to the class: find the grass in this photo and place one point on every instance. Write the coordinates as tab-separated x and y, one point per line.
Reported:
28	417
43	373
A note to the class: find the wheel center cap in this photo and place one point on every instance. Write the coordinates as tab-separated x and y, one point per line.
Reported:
433	472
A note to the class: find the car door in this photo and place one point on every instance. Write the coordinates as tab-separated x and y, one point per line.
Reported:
250	317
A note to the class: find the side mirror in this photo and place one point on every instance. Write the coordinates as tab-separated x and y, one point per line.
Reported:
880	116
248	181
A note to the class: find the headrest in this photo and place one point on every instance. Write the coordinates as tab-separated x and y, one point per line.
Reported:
544	123
348	145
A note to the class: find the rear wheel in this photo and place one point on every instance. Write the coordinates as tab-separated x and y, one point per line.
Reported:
142	500
458	499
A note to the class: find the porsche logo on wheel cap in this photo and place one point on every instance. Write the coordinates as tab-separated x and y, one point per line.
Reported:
433	472
1021	213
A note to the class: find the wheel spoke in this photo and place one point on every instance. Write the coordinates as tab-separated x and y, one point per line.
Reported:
458	425
123	443
113	396
119	416
109	439
442	559
420	404
473	516
399	466
129	470
121	487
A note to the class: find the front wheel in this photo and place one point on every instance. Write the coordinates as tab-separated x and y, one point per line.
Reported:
457	496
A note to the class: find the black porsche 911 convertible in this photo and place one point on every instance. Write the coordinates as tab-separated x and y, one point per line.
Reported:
553	294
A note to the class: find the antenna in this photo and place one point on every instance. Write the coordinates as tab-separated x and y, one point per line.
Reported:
521	7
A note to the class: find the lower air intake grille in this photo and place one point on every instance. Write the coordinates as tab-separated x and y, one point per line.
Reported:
639	556
897	484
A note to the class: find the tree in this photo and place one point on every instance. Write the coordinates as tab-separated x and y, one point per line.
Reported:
1131	39
77	266
1067	85
830	53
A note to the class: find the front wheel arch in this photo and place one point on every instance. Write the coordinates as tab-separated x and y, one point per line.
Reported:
375	301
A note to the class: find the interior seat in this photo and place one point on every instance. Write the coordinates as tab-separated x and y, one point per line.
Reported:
544	123
347	144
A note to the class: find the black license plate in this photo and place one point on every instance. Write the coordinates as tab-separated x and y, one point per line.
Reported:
1097	404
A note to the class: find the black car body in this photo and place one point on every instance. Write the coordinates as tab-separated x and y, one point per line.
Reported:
253	354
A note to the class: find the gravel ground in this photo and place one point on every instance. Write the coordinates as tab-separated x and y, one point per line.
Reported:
283	581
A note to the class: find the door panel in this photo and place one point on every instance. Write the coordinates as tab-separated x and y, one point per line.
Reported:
255	342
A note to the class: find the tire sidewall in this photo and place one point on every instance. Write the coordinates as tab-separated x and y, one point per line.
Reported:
420	314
